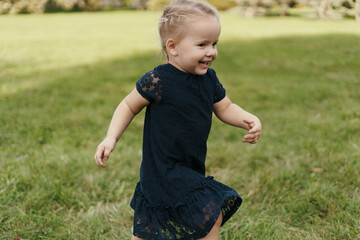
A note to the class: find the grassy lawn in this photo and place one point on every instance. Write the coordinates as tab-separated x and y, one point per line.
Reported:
62	76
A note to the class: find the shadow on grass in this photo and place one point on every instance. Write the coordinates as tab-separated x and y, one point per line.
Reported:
304	88
282	72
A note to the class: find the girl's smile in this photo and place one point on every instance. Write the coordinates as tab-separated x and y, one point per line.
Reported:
195	50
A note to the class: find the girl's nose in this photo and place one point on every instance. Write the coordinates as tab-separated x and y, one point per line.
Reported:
211	52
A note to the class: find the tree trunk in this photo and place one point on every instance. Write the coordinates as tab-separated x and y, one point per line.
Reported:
357	10
283	11
140	4
323	7
250	11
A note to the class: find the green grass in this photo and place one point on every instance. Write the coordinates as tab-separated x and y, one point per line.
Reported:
62	75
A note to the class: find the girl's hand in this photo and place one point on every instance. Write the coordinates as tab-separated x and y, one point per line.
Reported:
254	132
103	151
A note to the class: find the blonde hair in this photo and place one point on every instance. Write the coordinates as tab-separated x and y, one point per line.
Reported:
179	12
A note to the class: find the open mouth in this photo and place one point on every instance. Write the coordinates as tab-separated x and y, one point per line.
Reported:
205	64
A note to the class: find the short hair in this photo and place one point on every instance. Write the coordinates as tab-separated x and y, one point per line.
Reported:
178	13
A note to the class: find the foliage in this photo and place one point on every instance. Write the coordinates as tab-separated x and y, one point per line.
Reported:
323	8
219	4
139	4
22	6
223	4
40	6
157	4
59	87
248	8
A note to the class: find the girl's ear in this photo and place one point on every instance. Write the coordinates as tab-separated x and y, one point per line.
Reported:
170	47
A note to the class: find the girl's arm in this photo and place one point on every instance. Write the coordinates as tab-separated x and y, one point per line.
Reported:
124	113
234	115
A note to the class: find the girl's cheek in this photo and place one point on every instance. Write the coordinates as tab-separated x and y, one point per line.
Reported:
215	56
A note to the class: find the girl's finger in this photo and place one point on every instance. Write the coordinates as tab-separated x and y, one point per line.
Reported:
255	130
248	121
107	153
253	134
99	152
252	141
251	138
101	163
251	125
99	156
98	160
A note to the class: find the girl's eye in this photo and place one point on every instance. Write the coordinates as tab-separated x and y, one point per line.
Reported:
214	44
202	45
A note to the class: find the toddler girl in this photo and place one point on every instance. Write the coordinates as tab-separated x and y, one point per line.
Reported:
174	199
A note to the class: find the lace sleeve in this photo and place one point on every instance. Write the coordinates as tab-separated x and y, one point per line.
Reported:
150	87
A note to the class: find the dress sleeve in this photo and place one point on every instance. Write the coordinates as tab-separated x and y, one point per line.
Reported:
219	90
150	87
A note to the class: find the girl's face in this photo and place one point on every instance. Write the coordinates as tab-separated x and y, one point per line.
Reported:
195	51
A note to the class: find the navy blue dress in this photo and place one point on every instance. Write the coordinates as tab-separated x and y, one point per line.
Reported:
174	199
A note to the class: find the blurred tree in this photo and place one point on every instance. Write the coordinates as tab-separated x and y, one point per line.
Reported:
5	6
24	6
139	4
39	6
219	4
251	8
66	5
90	5
323	9
284	6
222	5
346	7
157	4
